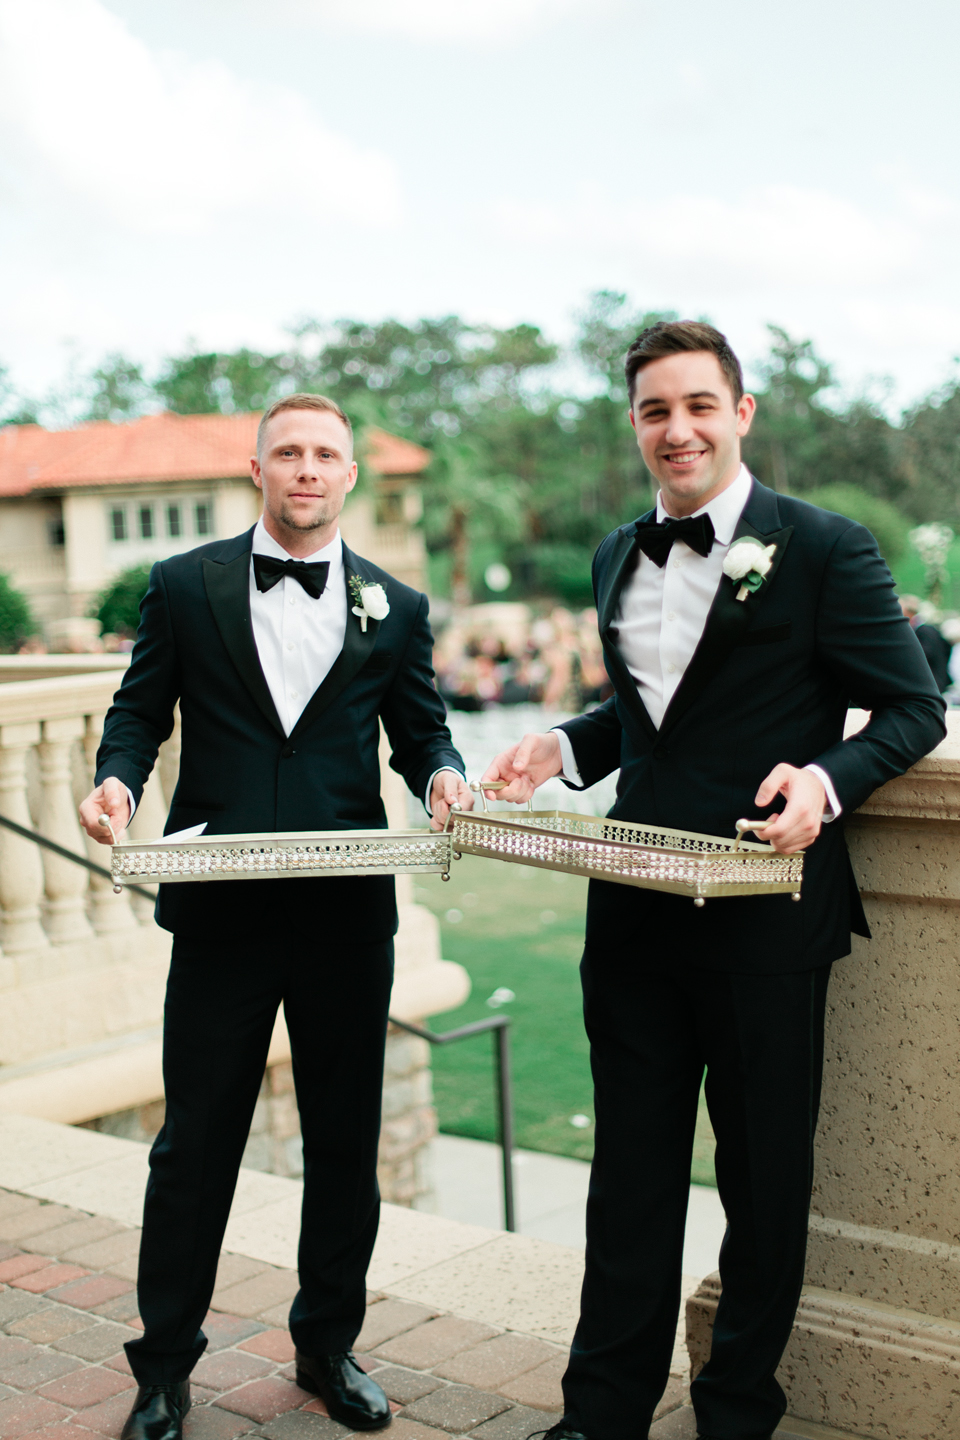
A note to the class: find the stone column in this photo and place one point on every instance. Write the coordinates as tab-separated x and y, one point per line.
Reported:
875	1349
108	912
147	824
21	869
66	884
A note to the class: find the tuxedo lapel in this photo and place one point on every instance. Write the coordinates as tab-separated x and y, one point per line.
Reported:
227	583
729	617
623	562
357	646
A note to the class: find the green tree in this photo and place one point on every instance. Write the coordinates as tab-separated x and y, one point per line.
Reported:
931	436
215	383
117	607
119	390
884	521
16	620
798	442
463	505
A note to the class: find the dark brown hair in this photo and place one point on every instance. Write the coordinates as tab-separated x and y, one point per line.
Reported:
674	337
300	401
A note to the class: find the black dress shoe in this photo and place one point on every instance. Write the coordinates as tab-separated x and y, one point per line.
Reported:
347	1391
158	1412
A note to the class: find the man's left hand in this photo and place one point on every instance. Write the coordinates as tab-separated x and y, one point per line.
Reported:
799	823
448	789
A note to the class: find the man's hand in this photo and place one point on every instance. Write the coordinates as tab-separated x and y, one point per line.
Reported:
799	824
525	767
448	789
108	799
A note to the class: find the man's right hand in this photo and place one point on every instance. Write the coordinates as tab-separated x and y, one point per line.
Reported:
108	799
524	767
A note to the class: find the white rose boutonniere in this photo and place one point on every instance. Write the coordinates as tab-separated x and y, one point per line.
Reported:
748	561
371	601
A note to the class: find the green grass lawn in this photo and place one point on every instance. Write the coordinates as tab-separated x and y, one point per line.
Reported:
522	929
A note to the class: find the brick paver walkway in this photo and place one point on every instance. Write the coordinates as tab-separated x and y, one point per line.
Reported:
68	1303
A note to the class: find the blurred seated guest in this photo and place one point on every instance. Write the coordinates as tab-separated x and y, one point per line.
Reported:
595	683
520	685
933	644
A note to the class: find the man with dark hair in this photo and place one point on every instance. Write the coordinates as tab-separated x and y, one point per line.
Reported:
735	624
285	650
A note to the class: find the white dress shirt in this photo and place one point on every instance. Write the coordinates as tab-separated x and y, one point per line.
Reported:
297	638
663	612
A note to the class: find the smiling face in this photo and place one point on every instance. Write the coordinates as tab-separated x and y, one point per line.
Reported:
688	428
306	470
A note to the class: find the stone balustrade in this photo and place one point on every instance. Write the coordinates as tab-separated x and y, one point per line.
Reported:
83	971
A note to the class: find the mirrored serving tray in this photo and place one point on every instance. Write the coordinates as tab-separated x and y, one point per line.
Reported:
269	857
677	861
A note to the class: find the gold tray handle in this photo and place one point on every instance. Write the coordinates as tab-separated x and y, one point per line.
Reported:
479	786
744	827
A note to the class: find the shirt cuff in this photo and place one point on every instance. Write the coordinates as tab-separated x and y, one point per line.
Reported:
834	808
570	772
132	802
426	798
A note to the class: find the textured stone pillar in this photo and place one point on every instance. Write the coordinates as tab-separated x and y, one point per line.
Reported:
66	883
108	912
21	869
876	1346
147	824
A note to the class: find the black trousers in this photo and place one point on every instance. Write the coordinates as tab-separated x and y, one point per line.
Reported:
221	1004
760	1038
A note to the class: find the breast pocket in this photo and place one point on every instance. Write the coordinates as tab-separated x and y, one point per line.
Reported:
769	635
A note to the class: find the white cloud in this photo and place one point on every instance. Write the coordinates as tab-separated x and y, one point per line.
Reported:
779	233
168	145
441	20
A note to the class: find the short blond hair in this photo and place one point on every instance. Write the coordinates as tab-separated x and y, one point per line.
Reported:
301	401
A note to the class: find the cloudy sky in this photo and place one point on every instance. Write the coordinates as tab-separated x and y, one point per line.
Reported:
213	170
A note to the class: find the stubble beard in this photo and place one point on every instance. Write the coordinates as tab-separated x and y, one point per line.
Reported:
323	517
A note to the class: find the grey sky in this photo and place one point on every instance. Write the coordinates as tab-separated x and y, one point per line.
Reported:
214	169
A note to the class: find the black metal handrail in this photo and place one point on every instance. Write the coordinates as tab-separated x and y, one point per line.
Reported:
500	1025
65	854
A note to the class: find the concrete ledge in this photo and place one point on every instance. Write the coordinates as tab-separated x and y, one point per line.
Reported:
893	1373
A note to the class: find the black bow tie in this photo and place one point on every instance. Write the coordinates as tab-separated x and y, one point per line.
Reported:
269	572
656	539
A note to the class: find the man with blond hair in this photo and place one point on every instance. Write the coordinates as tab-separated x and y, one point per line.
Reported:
285	650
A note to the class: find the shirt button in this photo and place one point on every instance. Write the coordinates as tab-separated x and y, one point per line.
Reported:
292	600
671	669
295	694
291	646
677	564
671	616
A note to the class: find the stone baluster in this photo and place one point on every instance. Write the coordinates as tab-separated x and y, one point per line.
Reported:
21	869
108	912
147	824
66	883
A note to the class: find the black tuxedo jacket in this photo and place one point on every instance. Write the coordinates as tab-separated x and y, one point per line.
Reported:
241	773
770	681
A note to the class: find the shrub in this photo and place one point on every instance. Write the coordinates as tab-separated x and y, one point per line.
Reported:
16	621
887	526
118	606
564	570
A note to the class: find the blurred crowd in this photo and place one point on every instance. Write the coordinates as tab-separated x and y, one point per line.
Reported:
502	654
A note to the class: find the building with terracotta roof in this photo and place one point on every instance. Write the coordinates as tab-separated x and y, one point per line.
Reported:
78	506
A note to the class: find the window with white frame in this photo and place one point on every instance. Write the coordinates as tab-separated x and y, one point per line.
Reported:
152	524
